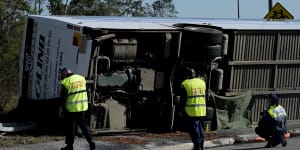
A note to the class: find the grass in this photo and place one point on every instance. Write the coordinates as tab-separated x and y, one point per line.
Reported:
7	103
13	139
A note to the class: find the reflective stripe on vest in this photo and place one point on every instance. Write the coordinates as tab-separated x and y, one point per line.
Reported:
195	103
77	99
279	115
277	112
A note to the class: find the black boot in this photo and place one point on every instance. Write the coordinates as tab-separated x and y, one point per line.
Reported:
68	147
268	145
202	146
92	146
196	146
276	141
283	141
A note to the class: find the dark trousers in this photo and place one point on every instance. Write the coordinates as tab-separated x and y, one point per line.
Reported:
72	120
272	136
196	129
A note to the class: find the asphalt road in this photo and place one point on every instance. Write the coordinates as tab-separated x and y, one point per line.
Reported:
168	144
293	144
81	144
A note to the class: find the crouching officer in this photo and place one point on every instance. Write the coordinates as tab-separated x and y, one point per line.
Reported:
194	104
75	103
272	125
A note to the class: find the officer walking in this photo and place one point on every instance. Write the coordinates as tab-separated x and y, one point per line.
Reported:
272	125
194	104
75	104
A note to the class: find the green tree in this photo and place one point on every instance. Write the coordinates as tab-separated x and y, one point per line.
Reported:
94	7
12	15
161	8
37	6
132	8
57	7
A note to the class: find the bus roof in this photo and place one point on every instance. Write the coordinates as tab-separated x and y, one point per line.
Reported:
154	23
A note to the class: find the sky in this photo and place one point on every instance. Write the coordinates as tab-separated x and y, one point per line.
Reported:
249	9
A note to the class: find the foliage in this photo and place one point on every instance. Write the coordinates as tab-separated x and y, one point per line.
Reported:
37	6
132	8
12	14
159	8
23	139
56	7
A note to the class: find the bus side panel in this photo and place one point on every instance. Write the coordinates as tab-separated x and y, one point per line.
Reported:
50	45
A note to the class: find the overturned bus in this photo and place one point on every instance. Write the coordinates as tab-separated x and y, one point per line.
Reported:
134	67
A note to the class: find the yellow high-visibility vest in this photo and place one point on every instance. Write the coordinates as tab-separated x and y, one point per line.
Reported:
77	99
279	115
195	105
277	112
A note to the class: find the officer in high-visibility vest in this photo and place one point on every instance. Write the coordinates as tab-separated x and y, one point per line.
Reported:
194	105
272	125
75	103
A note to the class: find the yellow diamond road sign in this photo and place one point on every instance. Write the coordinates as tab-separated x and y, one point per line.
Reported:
279	12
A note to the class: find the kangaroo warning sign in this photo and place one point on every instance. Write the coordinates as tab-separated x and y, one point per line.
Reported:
278	12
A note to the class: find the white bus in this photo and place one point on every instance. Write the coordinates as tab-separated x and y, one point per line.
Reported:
134	67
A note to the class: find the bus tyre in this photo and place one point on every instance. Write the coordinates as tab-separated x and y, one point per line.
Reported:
203	35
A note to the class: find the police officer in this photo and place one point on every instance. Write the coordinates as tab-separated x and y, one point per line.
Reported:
75	104
272	125
194	105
